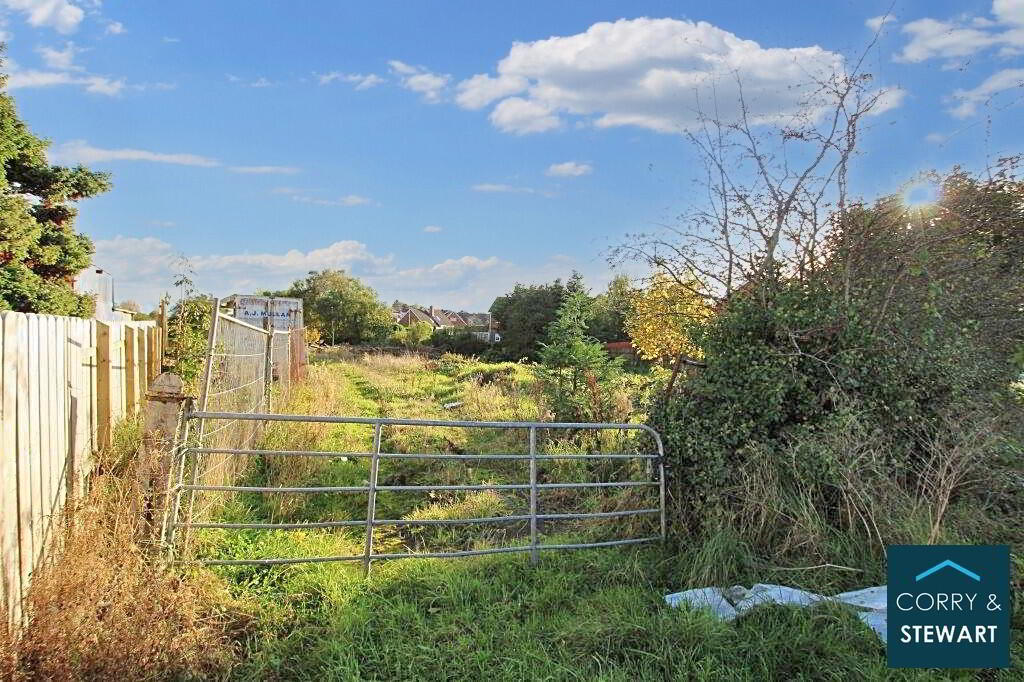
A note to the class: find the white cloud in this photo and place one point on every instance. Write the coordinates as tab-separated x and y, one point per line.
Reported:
32	78
518	115
359	80
306	197
144	267
418	79
500	187
480	90
650	73
1009	11
169	39
970	100
61	15
264	170
935	138
62	60
115	28
875	23
932	38
447	272
336	255
569	169
432	229
261	82
80	151
965	35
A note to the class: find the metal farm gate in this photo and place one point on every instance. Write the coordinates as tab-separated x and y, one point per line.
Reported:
533	486
226	429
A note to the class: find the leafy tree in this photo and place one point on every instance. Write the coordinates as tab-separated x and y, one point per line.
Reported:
416	334
188	328
40	253
575	373
344	309
524	314
610	311
910	319
129	305
661	322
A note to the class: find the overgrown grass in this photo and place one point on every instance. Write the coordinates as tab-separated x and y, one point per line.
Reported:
593	614
596	614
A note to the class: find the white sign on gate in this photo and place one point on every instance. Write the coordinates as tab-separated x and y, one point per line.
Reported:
286	313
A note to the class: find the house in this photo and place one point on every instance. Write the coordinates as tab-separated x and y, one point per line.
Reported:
438	318
479	324
409	316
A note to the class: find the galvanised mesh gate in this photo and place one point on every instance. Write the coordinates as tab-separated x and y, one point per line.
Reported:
177	527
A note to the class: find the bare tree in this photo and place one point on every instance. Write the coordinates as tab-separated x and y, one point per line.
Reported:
773	186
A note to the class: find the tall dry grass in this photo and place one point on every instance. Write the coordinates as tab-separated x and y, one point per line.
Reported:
103	608
857	502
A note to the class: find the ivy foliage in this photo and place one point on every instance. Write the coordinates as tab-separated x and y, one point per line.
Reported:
40	253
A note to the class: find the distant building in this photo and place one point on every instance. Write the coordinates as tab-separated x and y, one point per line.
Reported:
479	324
99	284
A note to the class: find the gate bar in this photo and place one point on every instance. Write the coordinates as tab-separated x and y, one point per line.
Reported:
396	421
401	455
371	502
302	525
414	555
417	488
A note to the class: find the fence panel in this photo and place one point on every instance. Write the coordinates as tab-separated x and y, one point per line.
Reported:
63	385
10	552
242	362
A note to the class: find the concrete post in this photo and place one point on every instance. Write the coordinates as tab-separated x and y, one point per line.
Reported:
164	401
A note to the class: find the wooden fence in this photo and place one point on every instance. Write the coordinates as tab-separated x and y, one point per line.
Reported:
65	382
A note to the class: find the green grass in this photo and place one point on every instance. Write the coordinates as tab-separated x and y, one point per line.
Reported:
583	615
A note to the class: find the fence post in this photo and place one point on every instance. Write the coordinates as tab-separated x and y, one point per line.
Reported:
371	502
661	493
533	495
104	388
176	478
268	369
162	337
204	398
163	409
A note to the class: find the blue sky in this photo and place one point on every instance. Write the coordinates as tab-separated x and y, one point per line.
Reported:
444	151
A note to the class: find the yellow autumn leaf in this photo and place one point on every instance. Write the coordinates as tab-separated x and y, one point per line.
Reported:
659	316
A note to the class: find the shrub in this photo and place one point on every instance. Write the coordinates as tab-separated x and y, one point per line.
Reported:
766	381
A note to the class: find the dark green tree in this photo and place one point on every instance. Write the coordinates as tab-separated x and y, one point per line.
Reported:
40	253
575	372
610	308
523	315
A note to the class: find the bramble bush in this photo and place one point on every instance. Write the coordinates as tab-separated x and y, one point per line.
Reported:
835	399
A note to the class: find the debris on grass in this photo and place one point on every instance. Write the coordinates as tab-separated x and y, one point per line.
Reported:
729	604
